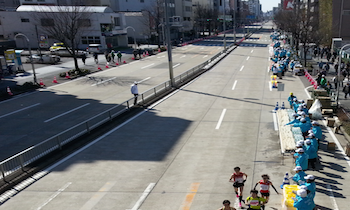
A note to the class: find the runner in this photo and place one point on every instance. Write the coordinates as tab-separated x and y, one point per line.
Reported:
238	182
255	202
264	188
226	205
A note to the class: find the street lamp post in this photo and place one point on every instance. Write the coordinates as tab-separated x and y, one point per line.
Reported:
224	28
30	55
134	34
339	64
170	59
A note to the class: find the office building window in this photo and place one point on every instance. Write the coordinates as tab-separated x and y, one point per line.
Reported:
25	20
47	22
116	21
90	40
142	1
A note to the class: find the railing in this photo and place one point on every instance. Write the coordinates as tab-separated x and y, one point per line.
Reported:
19	161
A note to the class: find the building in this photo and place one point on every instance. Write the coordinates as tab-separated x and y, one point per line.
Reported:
9	4
341	19
39	2
105	27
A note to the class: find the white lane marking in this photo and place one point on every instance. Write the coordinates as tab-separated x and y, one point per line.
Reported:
336	141
183	56
134	62
104	81
248	58
275	125
234	85
143	196
331	196
147	66
144	79
176	65
91	203
54	195
219	48
252	51
28	107
60	115
220	120
241	68
307	92
205	56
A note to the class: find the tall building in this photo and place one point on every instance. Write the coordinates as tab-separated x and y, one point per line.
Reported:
341	19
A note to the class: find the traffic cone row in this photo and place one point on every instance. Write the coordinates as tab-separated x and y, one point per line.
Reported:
285	180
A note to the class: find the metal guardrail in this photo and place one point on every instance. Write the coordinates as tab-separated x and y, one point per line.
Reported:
19	161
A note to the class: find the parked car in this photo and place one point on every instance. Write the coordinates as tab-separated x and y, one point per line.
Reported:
56	46
51	59
96	48
65	53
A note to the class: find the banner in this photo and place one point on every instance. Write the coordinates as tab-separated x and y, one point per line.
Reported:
288	5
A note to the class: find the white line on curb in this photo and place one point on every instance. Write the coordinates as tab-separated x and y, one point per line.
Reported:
221	118
274	115
54	195
144	196
270	86
28	107
331	195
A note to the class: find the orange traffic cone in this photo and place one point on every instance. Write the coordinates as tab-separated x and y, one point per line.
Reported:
117	64
99	68
124	62
9	91
41	83
158	49
54	80
133	58
67	76
144	54
147	53
107	65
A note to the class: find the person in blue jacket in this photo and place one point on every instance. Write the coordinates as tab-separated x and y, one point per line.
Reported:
305	109
303	202
317	130
296	120
313	140
304	126
311	185
302	159
299	176
290	99
311	151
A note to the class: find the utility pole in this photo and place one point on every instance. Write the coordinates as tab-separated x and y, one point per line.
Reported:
224	28
168	40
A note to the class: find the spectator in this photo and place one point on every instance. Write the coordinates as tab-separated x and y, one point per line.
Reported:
346	89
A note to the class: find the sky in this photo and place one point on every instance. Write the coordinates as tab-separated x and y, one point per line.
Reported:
268	4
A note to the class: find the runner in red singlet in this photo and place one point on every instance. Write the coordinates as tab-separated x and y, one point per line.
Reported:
238	178
265	188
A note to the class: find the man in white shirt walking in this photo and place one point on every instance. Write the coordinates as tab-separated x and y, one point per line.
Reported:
135	91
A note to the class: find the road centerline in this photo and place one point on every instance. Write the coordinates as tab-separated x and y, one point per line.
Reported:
220	119
241	68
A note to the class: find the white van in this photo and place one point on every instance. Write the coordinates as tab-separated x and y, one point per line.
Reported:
98	48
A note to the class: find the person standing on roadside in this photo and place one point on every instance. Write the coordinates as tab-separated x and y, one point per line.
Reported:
227	205
113	55
346	89
135	92
95	57
83	58
119	55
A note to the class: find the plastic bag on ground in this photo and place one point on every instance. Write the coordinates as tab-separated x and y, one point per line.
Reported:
315	110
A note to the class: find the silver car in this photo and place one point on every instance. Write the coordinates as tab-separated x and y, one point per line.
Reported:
47	59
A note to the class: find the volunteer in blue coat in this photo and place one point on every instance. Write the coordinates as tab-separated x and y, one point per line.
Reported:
314	141
299	176
311	151
316	128
296	120
302	159
303	202
290	100
311	185
304	126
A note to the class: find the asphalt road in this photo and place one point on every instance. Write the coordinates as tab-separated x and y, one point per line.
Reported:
31	118
180	153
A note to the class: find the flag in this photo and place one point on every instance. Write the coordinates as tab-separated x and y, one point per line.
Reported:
288	5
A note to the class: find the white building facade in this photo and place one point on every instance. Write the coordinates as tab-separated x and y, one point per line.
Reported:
106	27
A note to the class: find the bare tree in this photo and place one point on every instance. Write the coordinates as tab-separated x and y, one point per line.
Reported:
155	18
205	18
65	24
